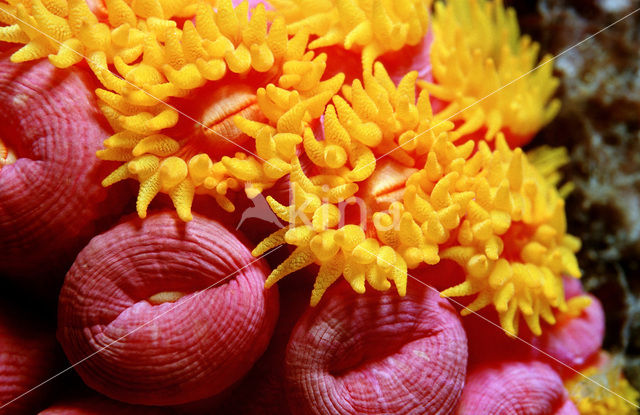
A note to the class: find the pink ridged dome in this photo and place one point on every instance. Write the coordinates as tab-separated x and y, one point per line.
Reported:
180	306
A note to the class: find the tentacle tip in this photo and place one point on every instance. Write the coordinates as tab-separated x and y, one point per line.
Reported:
270	281
252	193
185	216
512	334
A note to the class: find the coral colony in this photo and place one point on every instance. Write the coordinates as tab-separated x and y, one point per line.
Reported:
476	202
216	100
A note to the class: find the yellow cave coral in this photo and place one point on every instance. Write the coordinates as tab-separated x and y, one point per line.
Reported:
513	243
371	118
489	211
372	27
486	74
548	161
618	398
151	69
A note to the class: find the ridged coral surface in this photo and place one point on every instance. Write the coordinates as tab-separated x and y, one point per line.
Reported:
99	405
51	200
349	357
28	355
517	388
188	300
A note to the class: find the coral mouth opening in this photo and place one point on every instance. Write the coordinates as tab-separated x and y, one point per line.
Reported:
369	355
165	297
515	239
214	107
386	185
7	155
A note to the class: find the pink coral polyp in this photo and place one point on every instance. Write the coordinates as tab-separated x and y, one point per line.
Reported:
351	355
515	388
51	202
180	307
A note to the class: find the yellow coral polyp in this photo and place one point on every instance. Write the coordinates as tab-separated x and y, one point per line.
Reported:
618	398
486	72
372	27
404	127
374	118
489	211
512	242
142	58
548	161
